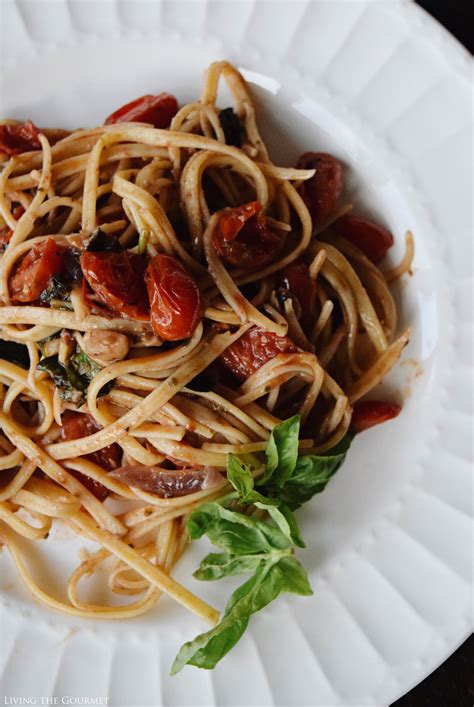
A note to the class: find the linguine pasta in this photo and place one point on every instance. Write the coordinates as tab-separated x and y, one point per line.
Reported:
110	403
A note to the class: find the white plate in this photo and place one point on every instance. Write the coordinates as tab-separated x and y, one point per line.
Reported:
381	85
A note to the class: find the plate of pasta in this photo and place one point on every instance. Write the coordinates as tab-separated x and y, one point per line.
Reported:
207	297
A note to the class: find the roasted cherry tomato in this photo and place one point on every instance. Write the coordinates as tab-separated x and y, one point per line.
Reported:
32	275
77	425
6	232
243	239
372	412
297	280
253	349
175	300
373	240
15	139
321	192
157	110
117	281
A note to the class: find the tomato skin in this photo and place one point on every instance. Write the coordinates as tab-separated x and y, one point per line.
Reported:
253	349
368	413
175	299
15	139
158	110
373	240
77	425
33	273
321	192
242	238
297	280
117	281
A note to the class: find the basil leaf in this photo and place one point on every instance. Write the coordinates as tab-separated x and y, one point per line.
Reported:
234	532
71	385
282	452
88	369
294	579
100	241
15	353
312	473
232	127
208	648
241	478
56	289
72	378
71	271
59	286
218	565
84	365
250	544
269	580
294	532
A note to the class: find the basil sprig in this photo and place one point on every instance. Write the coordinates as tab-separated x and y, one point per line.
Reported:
250	544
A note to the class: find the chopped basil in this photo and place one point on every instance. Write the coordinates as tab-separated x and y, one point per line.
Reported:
59	286
71	386
100	241
57	289
232	127
72	378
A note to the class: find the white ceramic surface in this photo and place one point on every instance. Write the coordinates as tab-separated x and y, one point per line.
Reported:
386	89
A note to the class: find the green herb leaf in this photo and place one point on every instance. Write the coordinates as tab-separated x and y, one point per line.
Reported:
232	127
295	578
250	544
84	365
282	452
286	521
71	385
60	285
56	289
101	241
234	532
270	579
72	378
218	565
312	473
240	476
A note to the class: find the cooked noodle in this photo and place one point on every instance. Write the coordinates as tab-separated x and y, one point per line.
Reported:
147	187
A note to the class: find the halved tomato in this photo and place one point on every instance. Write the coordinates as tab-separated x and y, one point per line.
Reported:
15	139
32	275
297	280
321	192
242	238
175	299
77	425
117	280
158	110
368	413
372	239
253	349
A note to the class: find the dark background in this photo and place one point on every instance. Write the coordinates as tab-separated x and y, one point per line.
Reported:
458	18
452	685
